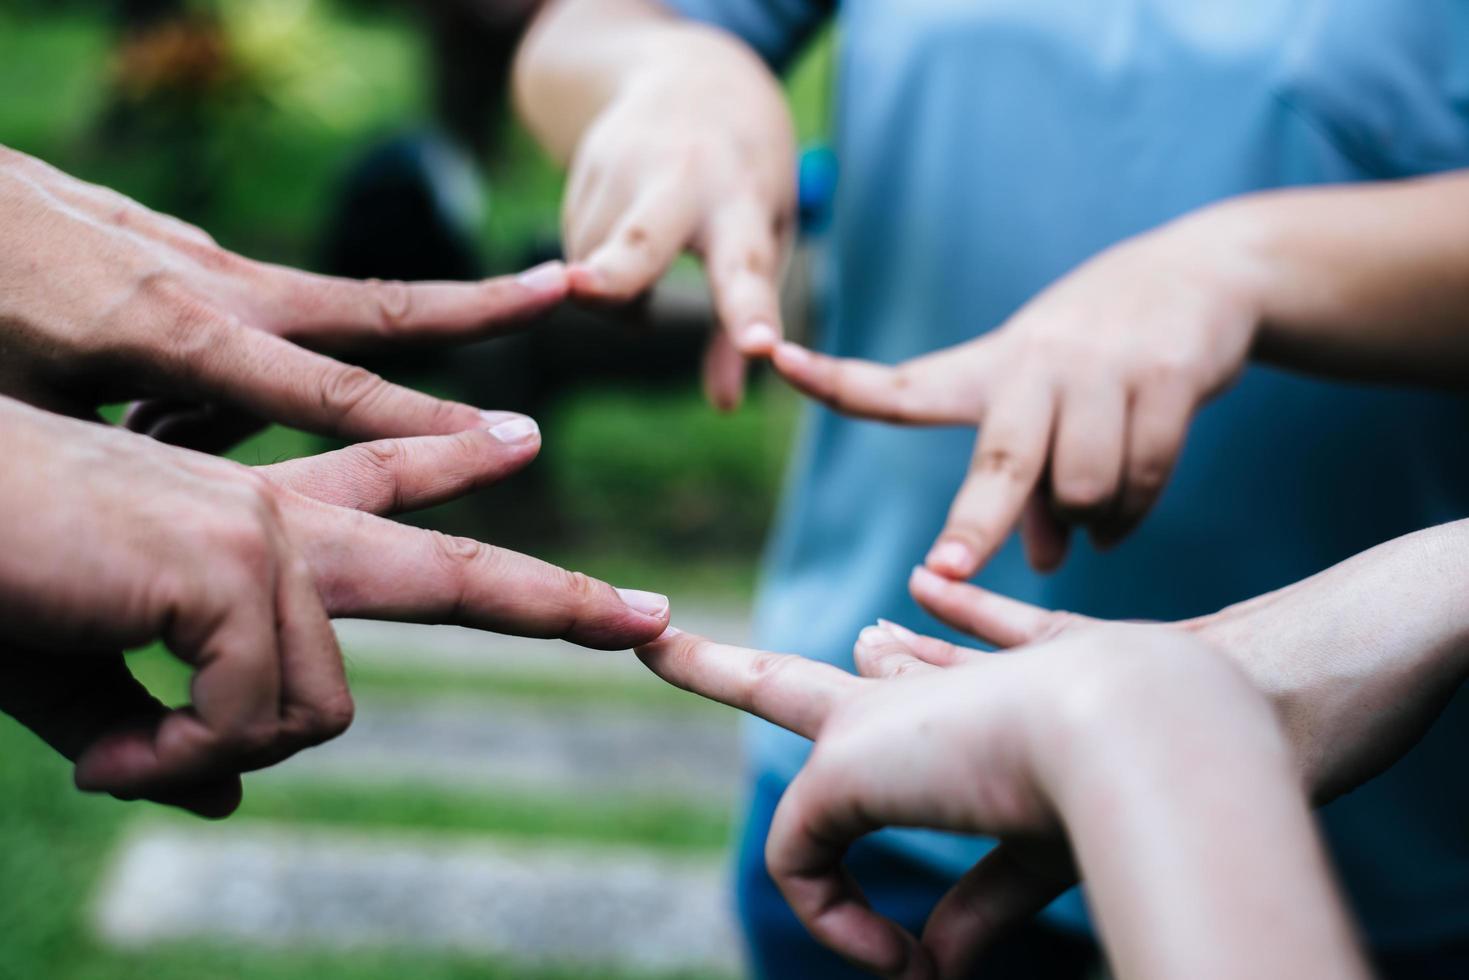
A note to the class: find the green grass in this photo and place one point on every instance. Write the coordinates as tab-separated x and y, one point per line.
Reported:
667	824
168	679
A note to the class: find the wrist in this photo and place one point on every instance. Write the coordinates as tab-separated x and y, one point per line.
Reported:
1233	242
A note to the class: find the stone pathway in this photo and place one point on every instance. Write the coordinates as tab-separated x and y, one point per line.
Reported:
456	648
281	887
567	749
608	907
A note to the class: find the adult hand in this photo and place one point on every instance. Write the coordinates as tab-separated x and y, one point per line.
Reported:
1159	797
694	153
113	541
1358	660
1082	399
103	300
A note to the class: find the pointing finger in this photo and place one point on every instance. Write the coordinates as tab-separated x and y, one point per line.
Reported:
790	691
394	475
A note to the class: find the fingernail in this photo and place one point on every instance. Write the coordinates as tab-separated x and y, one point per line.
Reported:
793	354
760	337
901	632
670	633
549	277
647	603
519	429
952	556
872	636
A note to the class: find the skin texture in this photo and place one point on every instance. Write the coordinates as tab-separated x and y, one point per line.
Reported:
1358	660
103	300
678	140
238	571
1143	755
1084	397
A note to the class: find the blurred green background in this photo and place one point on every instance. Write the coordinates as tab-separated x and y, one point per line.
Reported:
654	490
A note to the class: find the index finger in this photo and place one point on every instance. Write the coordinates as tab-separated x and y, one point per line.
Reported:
790	691
743	258
374	568
991	617
275	379
333	311
1014	441
925	391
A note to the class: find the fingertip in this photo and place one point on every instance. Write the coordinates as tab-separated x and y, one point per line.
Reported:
585	280
516	430
645	603
759	339
953	559
791	358
901	633
549	280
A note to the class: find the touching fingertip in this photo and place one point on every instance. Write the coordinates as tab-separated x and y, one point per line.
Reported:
647	603
793	356
585	279
953	558
902	633
759	338
549	279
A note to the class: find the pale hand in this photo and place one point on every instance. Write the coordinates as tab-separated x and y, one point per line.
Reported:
1070	734
1082	399
686	163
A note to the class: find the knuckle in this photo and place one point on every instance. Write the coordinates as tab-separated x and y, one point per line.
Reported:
766	673
347	387
1081	491
380	463
1148	475
256	738
187	328
331	716
1001	461
392	301
455	552
581	587
459	557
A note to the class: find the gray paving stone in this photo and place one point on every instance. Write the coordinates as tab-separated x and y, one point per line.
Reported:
455	648
273	886
561	748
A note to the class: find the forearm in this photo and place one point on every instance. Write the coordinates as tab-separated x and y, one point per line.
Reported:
1360	659
1197	847
581	54
1367	282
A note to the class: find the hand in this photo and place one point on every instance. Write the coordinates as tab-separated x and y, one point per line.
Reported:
693	159
102	300
1183	810
112	541
1358	660
1083	398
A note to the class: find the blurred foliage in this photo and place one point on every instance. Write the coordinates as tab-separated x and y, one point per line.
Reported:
647	481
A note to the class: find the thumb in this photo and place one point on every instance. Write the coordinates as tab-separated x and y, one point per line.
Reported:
73	700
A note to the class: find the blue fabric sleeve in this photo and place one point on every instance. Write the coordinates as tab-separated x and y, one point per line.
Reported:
776	29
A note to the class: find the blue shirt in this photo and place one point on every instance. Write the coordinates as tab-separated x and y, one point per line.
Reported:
989	146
